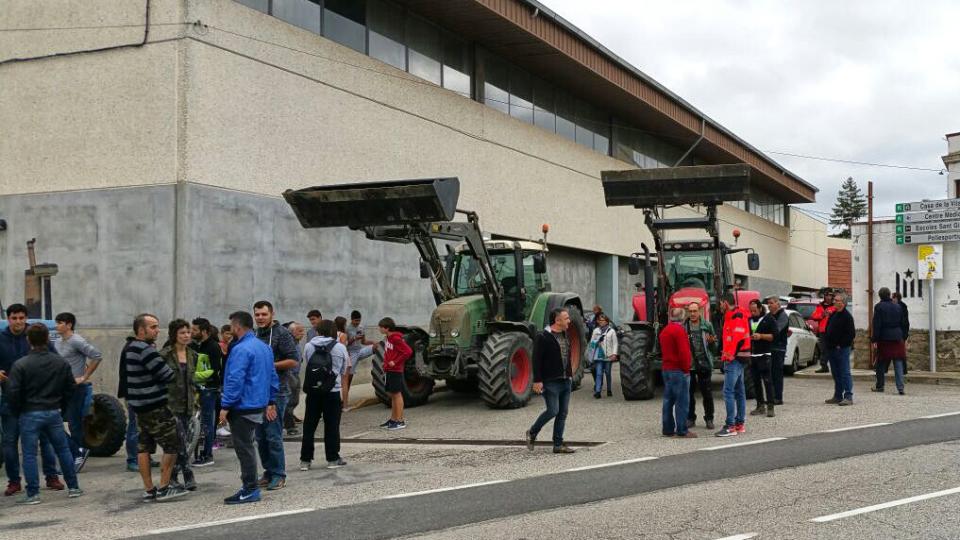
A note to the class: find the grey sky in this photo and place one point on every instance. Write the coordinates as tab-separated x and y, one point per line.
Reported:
875	81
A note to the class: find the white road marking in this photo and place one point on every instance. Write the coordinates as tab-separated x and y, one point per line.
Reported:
941	415
874	508
441	490
613	464
747	443
744	536
228	521
851	428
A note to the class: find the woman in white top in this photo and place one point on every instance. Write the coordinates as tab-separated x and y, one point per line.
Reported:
603	351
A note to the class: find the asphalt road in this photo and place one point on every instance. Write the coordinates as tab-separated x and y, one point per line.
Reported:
422	513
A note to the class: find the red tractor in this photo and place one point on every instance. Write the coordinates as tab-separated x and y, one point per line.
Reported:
687	271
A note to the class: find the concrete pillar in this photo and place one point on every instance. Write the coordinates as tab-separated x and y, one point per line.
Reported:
608	286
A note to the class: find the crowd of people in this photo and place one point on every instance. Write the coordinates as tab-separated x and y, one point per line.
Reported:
242	381
752	342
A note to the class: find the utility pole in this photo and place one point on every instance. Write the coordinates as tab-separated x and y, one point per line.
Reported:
870	267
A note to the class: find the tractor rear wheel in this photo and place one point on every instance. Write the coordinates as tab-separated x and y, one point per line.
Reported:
416	388
506	370
577	337
105	427
636	375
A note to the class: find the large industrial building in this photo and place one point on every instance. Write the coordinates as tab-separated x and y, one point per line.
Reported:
145	145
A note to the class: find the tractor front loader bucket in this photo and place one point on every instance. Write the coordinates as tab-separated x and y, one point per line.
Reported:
372	204
698	184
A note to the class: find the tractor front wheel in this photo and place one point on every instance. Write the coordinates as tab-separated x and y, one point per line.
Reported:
506	370
636	376
416	387
577	338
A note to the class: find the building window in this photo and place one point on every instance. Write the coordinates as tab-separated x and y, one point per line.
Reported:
521	95
259	5
643	149
768	208
544	106
302	13
424	50
496	84
385	23
456	65
344	22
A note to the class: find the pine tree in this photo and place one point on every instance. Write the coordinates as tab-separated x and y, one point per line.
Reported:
851	205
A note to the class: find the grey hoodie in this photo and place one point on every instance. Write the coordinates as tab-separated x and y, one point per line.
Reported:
338	354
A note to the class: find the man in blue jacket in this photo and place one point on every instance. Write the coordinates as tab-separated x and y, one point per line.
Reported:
250	387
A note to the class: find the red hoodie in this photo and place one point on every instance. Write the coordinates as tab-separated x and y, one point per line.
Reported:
396	352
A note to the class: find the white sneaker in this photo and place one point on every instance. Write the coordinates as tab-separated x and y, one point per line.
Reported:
223	432
304	465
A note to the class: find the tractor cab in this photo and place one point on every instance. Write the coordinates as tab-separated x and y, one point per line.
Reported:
689	270
518	266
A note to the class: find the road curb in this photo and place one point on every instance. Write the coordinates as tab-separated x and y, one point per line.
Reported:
915	377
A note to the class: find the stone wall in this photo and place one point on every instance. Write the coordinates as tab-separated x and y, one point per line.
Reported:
918	350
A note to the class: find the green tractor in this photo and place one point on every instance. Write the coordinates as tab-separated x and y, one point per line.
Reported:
492	296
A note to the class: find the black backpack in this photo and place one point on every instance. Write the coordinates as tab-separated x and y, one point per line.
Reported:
320	377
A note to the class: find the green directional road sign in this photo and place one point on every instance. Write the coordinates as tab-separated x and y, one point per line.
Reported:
928	238
899	218
899	240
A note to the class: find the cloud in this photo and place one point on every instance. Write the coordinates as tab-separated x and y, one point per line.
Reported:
872	81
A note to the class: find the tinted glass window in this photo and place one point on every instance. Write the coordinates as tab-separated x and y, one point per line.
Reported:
259	5
302	13
521	95
566	113
343	22
424	51
544	108
456	64
385	21
496	84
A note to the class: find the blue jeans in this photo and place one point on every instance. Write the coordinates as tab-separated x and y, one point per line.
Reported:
11	454
601	369
33	425
840	368
270	443
676	402
899	367
734	393
77	408
208	421
132	437
556	394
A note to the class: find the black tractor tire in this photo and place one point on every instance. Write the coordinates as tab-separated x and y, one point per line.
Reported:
637	379
506	370
416	388
105	427
578	350
469	385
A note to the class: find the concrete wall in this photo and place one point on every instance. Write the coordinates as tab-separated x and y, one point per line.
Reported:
891	261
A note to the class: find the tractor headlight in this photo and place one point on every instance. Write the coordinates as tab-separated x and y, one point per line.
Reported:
433	333
455	332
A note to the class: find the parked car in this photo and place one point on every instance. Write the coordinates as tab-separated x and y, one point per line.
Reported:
802	347
805	308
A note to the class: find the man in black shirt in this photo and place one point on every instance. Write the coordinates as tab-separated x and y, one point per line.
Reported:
763	329
206	342
778	350
838	339
552	377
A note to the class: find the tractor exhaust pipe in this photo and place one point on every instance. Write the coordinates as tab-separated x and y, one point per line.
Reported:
648	281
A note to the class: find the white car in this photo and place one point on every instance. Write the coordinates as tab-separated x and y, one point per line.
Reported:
801	344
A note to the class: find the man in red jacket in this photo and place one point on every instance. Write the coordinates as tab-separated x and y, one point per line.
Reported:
822	315
735	355
395	355
675	352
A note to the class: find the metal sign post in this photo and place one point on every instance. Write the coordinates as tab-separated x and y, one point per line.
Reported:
933	328
930	268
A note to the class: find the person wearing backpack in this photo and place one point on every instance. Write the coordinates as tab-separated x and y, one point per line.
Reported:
603	351
326	363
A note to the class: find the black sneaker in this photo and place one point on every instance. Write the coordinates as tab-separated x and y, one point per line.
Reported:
563	449
202	462
596	395
397	425
822	370
386	424
336	464
845	402
710	424
609	393
189	482
170	492
727	431
531	440
149	496
875	389
901	392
